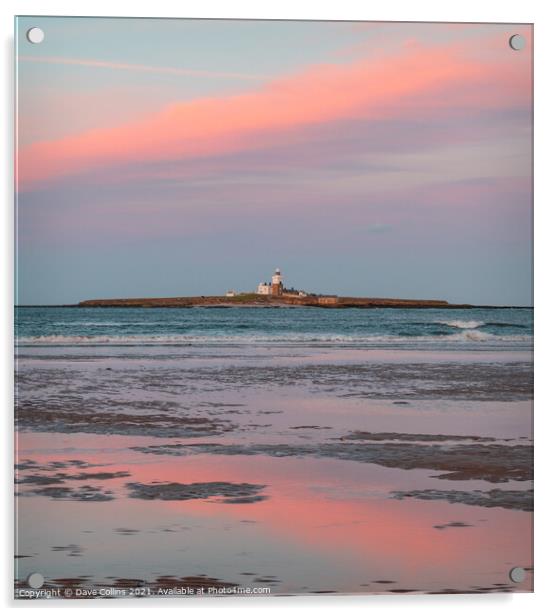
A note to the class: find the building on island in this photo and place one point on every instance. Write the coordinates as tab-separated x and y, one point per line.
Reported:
275	287
231	293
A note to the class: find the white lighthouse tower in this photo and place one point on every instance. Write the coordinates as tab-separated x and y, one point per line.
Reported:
277	285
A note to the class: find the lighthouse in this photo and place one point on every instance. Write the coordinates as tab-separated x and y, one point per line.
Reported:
277	285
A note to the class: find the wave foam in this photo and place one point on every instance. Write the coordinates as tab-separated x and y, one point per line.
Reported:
462	324
467	335
475	336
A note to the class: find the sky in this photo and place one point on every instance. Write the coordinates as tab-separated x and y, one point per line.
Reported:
160	158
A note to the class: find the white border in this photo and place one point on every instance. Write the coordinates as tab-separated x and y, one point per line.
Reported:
540	13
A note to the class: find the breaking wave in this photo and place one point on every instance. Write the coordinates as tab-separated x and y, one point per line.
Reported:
468	335
462	324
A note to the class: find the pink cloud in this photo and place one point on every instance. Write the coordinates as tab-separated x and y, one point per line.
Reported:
418	82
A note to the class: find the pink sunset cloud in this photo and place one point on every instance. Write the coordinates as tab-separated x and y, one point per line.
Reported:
418	82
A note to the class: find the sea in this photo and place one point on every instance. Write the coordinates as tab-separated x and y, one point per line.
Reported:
478	328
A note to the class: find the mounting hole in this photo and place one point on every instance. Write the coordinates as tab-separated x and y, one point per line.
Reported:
517	575
35	35
517	42
35	580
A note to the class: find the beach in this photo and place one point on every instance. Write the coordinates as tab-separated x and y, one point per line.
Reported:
274	450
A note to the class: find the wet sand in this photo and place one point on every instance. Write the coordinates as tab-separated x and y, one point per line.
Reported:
295	469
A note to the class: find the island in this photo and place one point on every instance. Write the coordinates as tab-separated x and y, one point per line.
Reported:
274	295
252	299
269	294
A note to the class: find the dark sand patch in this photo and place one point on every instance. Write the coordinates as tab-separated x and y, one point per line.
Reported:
394	381
167	582
229	492
196	582
26	465
102	476
127	583
72	549
324	592
490	462
60	478
361	435
402	590
126	531
452	525
57	464
42	418
221	404
40	480
473	590
310	428
71	582
84	493
507	499
241	500
266	579
453	591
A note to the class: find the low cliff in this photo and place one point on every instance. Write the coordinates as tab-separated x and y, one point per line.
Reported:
251	299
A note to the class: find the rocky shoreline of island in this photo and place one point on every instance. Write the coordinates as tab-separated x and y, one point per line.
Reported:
260	301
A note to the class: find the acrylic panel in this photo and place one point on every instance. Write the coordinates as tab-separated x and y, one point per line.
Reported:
274	318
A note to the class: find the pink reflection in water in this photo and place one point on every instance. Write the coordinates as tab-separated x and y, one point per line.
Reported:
338	513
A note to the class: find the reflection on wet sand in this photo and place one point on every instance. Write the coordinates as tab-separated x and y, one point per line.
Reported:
304	488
